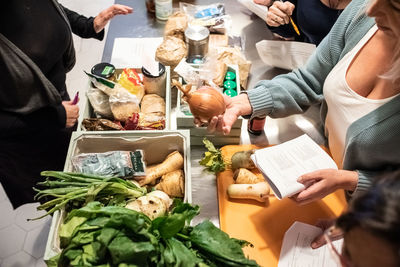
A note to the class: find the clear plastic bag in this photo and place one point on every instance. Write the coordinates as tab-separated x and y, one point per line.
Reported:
100	103
124	164
123	104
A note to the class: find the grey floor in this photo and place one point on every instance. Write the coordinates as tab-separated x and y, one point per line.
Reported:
22	242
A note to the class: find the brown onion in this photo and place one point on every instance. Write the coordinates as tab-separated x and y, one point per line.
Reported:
204	103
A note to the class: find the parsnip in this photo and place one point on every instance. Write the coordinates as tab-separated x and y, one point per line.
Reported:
172	162
259	191
154	204
242	159
172	183
244	176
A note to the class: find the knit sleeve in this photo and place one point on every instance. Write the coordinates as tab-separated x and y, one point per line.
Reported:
295	92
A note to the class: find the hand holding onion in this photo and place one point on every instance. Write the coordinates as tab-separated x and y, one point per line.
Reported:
205	103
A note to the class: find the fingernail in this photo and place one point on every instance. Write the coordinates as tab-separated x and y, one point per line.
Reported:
314	244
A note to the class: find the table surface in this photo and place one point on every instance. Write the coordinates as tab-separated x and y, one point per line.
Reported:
251	29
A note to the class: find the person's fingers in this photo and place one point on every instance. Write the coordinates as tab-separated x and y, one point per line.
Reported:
212	125
318	241
278	16
271	22
309	177
220	124
310	194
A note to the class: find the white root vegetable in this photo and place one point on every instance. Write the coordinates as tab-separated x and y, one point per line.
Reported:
259	191
154	204
172	183
242	159
244	176
172	162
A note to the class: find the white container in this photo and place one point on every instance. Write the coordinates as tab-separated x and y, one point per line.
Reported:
88	111
163	9
162	143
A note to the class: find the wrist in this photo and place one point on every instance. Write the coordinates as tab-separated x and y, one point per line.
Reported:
244	104
350	180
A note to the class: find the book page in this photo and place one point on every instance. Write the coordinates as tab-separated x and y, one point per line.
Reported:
283	164
284	54
257	9
296	250
134	52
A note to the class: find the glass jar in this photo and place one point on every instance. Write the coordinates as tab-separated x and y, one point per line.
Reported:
155	84
163	9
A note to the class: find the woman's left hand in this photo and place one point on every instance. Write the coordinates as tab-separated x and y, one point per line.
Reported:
101	20
323	182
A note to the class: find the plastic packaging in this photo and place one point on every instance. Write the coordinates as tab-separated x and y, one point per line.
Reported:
124	164
99	102
130	80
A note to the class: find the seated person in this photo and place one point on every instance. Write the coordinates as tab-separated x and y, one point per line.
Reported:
371	226
314	18
355	74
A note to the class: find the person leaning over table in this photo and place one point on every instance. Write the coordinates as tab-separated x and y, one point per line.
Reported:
314	18
36	114
373	218
355	73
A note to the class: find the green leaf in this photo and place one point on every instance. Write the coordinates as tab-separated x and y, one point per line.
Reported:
177	254
212	159
216	244
123	250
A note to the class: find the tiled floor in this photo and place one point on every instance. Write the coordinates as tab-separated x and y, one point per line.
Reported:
22	242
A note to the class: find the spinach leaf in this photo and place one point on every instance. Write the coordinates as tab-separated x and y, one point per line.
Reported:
176	254
217	245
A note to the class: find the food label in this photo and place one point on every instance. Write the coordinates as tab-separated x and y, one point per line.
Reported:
107	70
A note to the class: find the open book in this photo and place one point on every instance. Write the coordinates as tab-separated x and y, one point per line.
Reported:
283	164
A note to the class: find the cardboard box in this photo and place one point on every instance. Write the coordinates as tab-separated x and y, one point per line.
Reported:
88	111
155	144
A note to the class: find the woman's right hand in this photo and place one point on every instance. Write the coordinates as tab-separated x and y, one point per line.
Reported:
72	113
279	13
235	107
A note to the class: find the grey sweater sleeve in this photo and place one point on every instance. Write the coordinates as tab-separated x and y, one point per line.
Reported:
295	92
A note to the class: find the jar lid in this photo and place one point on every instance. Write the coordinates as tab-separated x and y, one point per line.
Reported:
196	32
230	85
104	69
161	70
230	75
230	92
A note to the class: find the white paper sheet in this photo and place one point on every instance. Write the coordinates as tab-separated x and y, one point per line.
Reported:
284	54
259	10
128	52
296	250
283	164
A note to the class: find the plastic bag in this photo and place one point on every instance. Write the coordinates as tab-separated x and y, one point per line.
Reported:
131	81
123	104
124	164
176	25
99	101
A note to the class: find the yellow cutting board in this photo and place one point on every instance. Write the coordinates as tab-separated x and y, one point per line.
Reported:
264	224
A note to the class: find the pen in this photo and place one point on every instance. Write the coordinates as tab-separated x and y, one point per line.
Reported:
76	99
296	29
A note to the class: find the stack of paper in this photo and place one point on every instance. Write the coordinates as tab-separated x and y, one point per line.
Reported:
259	10
283	164
296	250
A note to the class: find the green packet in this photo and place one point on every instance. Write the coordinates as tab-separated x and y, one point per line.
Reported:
124	164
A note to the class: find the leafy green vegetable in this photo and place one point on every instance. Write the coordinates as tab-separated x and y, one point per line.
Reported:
212	159
77	189
116	236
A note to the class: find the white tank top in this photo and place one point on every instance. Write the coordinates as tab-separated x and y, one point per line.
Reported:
344	105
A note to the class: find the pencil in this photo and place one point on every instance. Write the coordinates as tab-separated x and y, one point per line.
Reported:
296	29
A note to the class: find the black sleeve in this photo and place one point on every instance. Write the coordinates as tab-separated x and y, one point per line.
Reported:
82	26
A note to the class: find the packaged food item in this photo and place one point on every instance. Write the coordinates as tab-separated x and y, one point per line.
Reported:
221	69
151	121
171	51
105	70
155	84
151	6
196	38
152	103
95	124
163	9
123	104
176	25
99	101
130	80
124	164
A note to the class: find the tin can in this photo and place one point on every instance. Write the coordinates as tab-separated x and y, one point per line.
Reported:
196	38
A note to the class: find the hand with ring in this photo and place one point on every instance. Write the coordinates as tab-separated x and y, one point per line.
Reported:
279	13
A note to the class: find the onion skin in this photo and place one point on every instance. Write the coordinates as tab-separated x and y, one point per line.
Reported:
206	103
